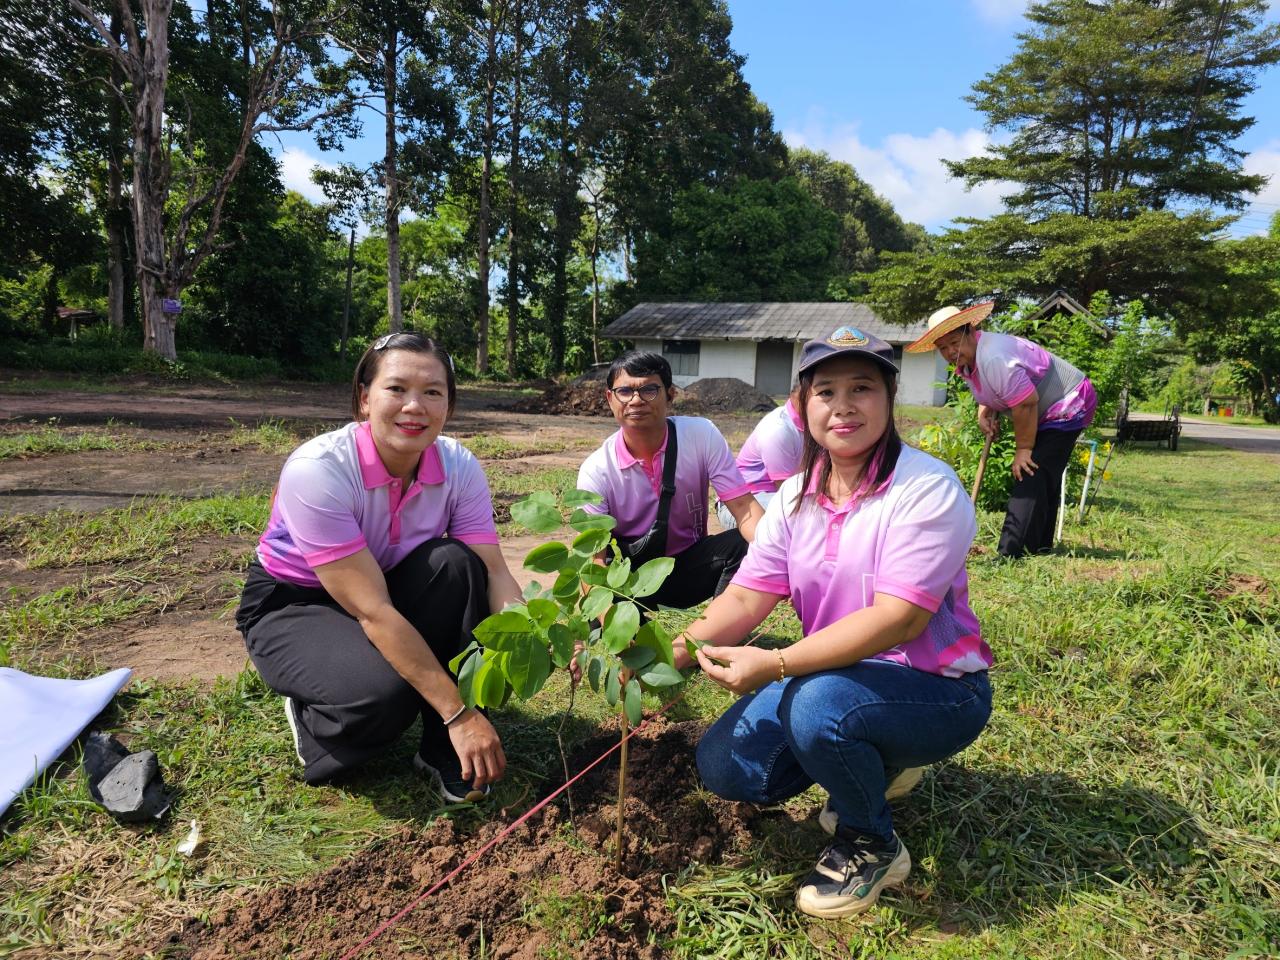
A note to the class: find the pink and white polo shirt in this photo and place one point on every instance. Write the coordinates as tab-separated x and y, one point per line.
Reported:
631	487
335	497
1008	369
773	451
908	539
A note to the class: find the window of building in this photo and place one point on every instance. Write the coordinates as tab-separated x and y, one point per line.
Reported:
683	356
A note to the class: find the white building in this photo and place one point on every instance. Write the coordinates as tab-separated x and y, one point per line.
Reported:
760	343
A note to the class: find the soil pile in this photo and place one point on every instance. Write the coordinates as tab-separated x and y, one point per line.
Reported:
722	395
495	902
583	396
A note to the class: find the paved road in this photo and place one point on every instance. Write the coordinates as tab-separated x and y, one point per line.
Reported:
1252	439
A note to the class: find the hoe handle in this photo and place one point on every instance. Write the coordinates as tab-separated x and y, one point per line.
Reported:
982	468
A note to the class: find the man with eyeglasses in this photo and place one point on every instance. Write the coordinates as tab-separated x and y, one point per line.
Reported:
627	471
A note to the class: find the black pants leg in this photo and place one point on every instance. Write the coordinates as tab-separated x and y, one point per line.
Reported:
1033	503
703	571
350	702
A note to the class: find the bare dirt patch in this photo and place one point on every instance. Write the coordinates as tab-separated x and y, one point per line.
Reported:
546	890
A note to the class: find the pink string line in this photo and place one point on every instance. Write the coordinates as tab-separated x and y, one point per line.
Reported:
387	925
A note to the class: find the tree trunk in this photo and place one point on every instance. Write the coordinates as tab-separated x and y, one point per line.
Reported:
513	176
115	219
562	240
595	283
391	53
346	303
485	213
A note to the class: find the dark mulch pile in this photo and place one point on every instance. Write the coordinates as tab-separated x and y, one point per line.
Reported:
583	396
669	825
722	395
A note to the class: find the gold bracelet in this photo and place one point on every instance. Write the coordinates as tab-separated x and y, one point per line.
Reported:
782	666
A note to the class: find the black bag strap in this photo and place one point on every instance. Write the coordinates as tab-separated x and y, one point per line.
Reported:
668	480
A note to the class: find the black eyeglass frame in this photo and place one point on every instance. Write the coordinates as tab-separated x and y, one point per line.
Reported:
648	393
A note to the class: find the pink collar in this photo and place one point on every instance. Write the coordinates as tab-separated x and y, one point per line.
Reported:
859	495
794	414
625	457
374	472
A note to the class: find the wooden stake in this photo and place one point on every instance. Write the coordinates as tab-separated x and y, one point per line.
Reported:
982	468
622	790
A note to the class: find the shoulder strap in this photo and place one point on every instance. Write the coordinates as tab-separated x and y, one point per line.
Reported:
668	474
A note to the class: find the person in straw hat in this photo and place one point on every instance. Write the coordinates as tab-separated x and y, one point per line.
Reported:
1049	401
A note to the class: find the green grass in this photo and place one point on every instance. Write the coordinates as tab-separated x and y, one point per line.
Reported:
1124	801
273	436
51	439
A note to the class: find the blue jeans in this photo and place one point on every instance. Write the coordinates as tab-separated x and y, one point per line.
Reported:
841	729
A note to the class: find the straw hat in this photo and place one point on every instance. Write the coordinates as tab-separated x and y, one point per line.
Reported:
950	318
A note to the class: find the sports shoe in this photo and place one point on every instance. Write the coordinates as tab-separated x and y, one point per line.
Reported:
290	714
900	784
447	774
851	873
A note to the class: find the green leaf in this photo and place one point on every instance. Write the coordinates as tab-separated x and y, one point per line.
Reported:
472	665
637	657
612	685
654	635
492	685
547	557
578	498
594	670
466	652
590	542
632	702
618	572
531	590
502	631
561	639
567	586
595	574
581	520
579	628
650	577
660	675
620	626
596	602
527	668
544	612
537	512
692	646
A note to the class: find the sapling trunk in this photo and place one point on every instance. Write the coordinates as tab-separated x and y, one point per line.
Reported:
622	789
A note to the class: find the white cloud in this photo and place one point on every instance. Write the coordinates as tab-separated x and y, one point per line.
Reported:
1266	161
907	170
1000	11
295	172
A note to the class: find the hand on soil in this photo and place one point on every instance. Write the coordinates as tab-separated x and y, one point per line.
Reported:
739	669
478	748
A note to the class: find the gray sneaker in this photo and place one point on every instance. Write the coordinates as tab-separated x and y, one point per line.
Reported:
851	873
446	772
900	784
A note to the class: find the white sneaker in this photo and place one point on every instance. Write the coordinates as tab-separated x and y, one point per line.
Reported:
289	708
446	773
902	783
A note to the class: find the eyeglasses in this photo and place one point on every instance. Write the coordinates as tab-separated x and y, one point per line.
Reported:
648	393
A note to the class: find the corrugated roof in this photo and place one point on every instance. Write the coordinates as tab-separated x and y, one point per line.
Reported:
753	321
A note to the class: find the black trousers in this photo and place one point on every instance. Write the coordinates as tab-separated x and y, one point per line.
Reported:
350	703
1033	503
703	571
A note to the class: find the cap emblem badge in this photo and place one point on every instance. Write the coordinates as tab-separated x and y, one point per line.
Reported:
848	337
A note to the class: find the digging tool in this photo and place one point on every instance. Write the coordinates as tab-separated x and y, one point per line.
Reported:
982	468
1102	475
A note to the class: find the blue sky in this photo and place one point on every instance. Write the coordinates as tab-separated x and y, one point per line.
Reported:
881	85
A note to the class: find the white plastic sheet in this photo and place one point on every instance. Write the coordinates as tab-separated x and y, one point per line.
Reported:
40	717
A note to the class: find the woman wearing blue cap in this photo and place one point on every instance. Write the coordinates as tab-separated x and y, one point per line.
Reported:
868	541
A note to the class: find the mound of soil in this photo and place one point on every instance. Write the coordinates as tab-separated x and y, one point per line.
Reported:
583	396
494	901
722	395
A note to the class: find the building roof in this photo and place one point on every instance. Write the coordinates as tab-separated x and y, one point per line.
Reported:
753	321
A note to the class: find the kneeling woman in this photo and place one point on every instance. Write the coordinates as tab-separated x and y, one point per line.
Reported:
379	559
868	541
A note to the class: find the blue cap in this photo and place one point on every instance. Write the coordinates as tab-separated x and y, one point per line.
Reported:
846	340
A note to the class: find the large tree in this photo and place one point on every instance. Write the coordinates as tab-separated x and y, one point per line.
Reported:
1116	118
281	85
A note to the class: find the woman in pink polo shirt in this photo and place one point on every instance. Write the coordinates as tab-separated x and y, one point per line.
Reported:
868	540
1049	401
379	559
